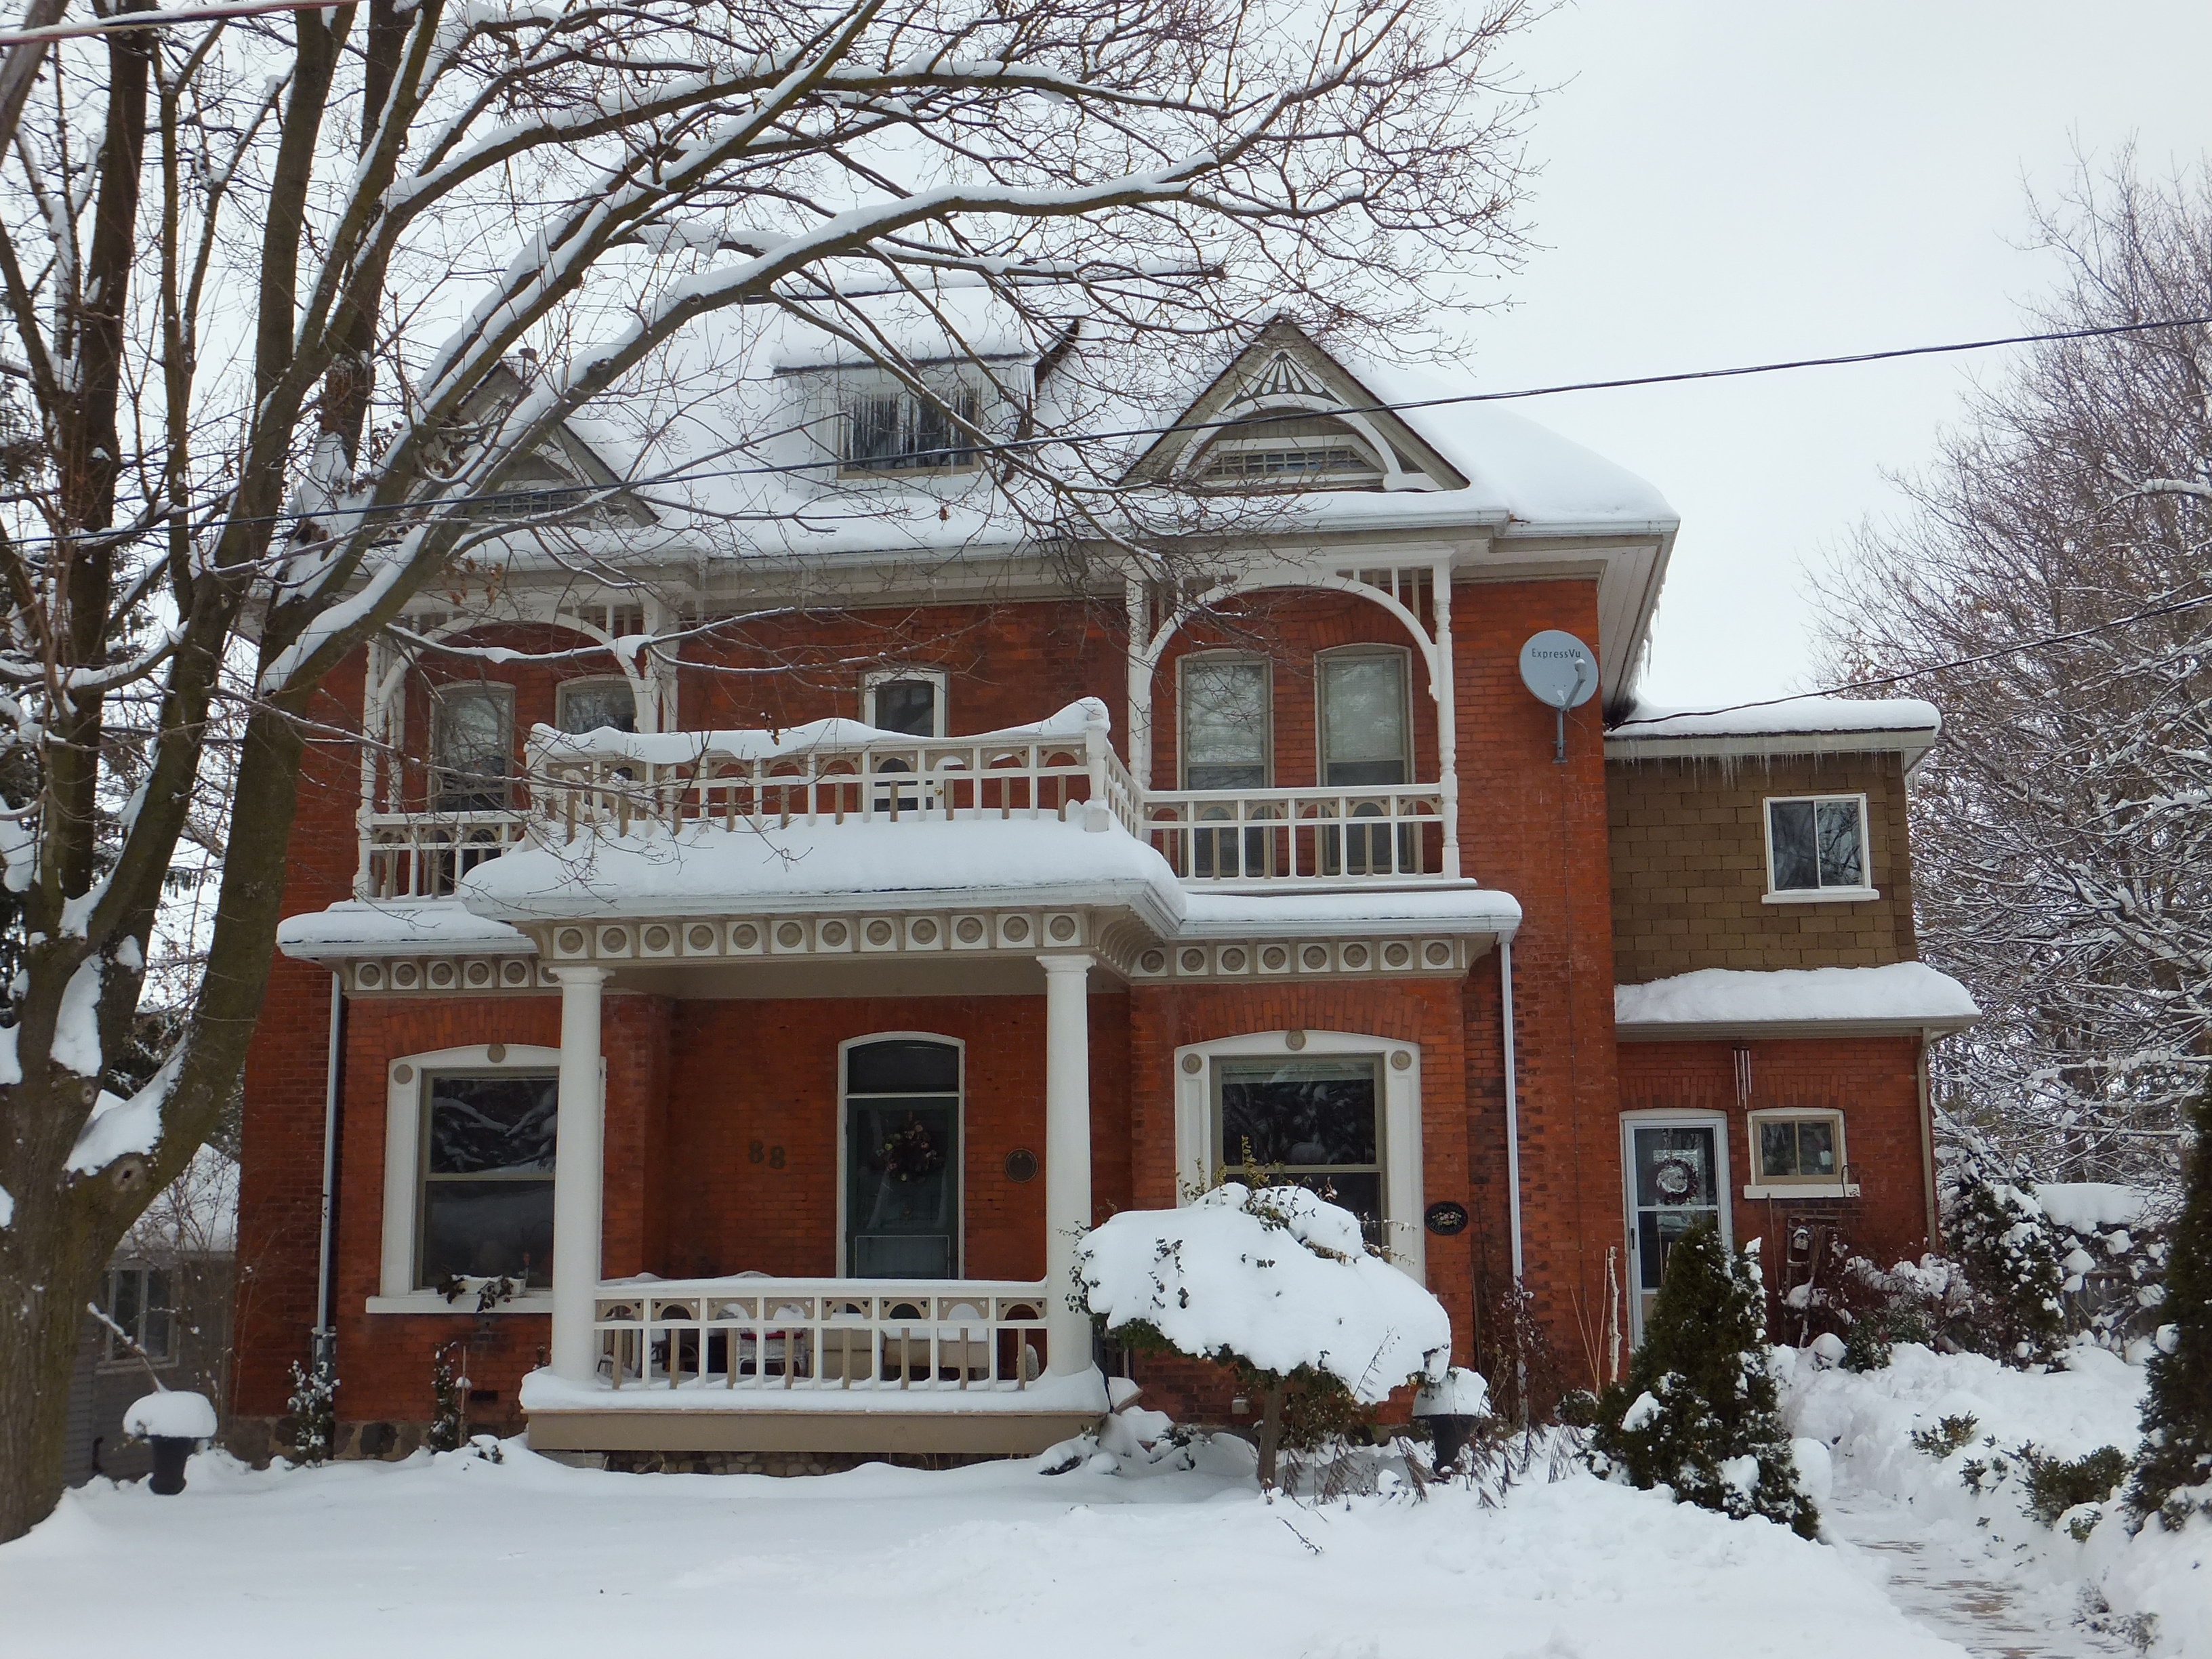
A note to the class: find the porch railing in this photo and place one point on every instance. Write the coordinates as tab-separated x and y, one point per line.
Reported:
407	855
1299	835
750	1334
608	781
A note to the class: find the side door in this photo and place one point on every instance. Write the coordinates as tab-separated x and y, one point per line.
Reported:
1674	1173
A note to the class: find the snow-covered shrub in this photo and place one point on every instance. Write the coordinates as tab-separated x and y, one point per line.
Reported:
1948	1434
1278	1283
2000	1238
2055	1484
1701	1412
449	1394
2173	1477
314	1413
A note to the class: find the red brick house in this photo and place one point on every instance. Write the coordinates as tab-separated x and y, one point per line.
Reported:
732	1036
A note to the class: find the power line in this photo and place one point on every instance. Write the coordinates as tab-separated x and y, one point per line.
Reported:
2037	644
1021	445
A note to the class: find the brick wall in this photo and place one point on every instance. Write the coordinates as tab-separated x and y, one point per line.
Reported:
1689	867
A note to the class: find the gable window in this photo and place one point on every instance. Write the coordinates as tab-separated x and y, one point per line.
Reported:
1288	451
907	699
487	1178
1816	846
139	1303
1797	1154
902	430
1316	1123
593	705
473	749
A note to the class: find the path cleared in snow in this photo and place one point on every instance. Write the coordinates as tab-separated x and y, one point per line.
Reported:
453	1555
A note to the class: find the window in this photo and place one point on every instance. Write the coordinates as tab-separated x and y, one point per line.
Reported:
1797	1149
581	706
891	431
141	1304
487	1152
472	748
1289	451
1816	844
1364	738
1316	1121
1227	736
901	1194
908	699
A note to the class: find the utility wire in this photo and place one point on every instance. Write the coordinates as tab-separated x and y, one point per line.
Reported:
542	494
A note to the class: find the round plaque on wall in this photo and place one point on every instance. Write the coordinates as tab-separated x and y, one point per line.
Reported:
1021	1165
1446	1216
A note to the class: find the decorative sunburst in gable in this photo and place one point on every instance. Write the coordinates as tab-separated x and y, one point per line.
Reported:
1279	377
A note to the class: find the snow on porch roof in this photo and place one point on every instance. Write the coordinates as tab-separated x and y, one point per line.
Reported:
1903	996
358	927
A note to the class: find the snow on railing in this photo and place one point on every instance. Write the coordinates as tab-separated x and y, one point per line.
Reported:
1299	835
827	772
754	1333
406	855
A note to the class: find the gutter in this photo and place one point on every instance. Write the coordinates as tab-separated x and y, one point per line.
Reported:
1512	1101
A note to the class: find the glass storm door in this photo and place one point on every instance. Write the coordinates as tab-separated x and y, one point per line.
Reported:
1676	1178
903	1160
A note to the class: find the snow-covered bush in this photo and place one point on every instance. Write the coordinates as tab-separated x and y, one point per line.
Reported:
313	1408
1701	1412
1278	1283
2173	1478
449	1396
2002	1239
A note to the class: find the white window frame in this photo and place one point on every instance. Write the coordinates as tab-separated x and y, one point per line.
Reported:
1817	895
1723	1183
403	1107
561	689
1762	1186
1183	665
1402	1182
942	718
959	1138
494	691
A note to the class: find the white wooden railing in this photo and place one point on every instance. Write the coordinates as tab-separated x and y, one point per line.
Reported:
841	1335
1300	834
831	772
406	855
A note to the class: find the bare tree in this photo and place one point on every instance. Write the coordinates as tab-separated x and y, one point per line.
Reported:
2063	829
295	301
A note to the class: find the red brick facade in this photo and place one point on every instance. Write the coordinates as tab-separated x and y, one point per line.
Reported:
722	1113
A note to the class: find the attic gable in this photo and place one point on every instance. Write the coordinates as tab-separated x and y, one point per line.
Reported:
1284	415
565	458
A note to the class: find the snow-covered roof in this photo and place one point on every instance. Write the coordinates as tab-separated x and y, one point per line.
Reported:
1716	1001
374	928
196	1214
1464	907
1790	726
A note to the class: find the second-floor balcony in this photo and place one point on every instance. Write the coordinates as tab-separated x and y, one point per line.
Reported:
835	772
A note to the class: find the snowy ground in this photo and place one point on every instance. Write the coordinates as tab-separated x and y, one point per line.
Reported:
1978	1565
451	1554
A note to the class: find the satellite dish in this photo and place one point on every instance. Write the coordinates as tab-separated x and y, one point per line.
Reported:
1560	672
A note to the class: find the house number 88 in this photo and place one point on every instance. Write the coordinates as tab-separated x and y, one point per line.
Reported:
760	1153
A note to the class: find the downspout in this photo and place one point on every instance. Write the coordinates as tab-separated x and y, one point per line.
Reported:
1928	1144
324	1334
1512	1102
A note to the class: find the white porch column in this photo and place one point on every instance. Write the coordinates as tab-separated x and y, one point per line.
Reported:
1067	1153
578	1174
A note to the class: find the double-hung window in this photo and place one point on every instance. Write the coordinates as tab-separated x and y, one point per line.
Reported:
487	1153
1366	742
1228	737
140	1307
473	749
1816	847
1317	1123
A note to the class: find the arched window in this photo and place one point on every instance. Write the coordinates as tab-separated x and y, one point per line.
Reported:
1290	452
901	1193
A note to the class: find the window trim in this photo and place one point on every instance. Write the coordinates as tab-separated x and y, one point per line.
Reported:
941	717
959	1157
1762	1186
1322	659
562	688
1182	711
494	691
113	1354
1196	1131
406	1105
1819	895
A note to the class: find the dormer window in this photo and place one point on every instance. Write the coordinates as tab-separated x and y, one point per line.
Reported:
900	431
1290	451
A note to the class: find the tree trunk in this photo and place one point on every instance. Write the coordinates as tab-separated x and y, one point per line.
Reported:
1270	1431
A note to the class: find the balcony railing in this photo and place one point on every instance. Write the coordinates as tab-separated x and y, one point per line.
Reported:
1299	835
821	1335
831	772
406	855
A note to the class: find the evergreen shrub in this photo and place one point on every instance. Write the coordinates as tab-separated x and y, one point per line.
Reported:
2173	1475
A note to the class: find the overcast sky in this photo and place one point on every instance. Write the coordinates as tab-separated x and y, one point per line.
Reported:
1728	183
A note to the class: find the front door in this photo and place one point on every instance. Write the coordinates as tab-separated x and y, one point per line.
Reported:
1676	1177
903	1160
